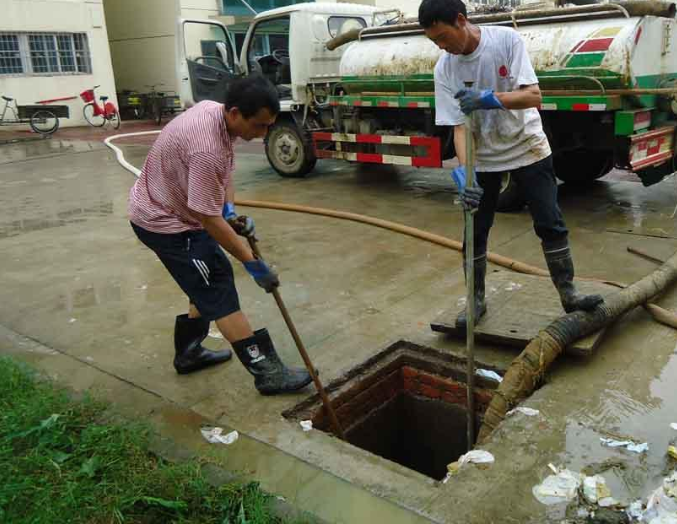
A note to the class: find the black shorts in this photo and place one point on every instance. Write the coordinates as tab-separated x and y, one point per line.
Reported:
199	266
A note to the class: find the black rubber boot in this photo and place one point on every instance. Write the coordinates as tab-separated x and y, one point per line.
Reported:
190	355
271	376
480	266
561	267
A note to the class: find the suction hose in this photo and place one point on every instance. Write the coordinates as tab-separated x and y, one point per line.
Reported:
658	313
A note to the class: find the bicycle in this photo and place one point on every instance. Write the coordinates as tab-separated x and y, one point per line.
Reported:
95	114
41	120
154	103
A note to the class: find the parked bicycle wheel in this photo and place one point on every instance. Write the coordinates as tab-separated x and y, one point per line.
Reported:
115	120
44	122
92	119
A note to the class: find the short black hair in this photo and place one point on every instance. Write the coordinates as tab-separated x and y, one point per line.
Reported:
252	93
432	11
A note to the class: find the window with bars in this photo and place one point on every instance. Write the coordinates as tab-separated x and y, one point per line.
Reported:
10	57
44	53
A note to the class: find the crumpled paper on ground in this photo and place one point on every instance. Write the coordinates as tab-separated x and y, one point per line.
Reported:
307	425
215	436
491	375
674	425
558	488
476	456
595	489
627	444
529	412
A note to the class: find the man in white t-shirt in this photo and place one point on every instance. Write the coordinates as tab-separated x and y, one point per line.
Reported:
487	70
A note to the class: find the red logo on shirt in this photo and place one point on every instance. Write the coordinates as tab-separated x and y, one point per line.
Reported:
503	71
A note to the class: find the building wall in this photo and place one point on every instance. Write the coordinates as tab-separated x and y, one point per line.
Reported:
142	42
54	16
143	39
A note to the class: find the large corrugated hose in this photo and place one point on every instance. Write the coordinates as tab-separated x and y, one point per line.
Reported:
526	371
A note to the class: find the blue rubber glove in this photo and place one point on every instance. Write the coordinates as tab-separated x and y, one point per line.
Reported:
229	211
262	274
242	224
472	99
470	197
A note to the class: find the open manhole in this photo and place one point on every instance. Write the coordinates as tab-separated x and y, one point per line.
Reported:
407	404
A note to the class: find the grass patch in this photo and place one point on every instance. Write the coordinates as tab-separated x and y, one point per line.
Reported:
61	461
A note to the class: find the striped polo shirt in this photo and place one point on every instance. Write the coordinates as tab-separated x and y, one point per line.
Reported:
187	170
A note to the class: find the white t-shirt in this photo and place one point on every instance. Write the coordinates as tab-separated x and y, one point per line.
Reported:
506	139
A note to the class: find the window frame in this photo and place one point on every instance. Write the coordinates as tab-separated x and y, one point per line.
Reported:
51	54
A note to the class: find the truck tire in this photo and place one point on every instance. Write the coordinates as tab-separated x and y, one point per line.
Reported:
582	166
509	198
289	150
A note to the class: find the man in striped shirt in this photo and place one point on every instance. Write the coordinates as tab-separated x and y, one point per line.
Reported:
181	207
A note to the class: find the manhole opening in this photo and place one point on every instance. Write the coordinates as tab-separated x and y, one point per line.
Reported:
407	405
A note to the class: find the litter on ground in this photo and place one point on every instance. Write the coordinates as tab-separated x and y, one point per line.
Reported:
491	375
559	488
216	436
529	412
627	444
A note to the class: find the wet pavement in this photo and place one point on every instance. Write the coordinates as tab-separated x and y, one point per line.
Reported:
83	300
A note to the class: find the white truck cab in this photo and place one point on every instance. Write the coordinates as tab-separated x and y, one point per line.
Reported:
288	46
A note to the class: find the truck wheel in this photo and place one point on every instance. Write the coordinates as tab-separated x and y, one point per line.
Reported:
509	198
289	150
582	166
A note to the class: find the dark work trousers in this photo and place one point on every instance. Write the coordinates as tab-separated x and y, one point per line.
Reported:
537	184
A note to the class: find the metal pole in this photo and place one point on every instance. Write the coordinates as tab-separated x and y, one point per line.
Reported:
470	283
338	431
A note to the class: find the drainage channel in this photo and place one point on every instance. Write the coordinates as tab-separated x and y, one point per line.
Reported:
407	404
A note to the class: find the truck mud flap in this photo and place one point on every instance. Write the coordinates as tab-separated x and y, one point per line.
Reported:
374	149
652	148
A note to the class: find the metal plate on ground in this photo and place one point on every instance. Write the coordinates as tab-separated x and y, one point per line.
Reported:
518	307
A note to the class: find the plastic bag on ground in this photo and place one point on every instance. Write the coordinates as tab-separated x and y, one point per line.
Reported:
662	505
491	375
558	488
627	444
529	412
216	436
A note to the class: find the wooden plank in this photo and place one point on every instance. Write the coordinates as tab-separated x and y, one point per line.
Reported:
518	307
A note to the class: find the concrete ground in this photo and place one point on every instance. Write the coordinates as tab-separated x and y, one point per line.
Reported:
84	301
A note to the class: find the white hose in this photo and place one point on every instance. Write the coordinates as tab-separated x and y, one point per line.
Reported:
118	152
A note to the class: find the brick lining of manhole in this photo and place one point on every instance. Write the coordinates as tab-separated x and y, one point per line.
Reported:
405	404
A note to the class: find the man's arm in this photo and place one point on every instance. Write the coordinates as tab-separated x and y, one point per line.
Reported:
230	192
524	98
221	231
459	143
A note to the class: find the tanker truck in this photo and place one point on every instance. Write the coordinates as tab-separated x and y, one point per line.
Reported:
357	84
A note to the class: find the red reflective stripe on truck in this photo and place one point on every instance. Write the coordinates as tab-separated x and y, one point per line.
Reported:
597	44
368	139
320	136
580	107
371	158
